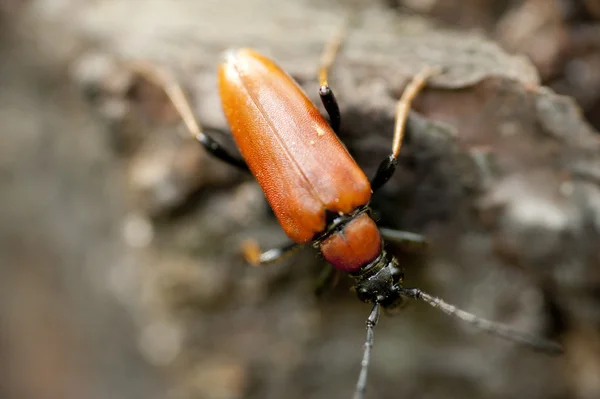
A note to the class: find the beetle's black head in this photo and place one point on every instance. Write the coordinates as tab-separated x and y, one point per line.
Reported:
380	282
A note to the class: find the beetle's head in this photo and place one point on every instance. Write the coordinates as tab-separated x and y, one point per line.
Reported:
380	282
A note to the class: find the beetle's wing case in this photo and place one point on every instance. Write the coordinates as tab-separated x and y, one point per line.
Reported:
297	159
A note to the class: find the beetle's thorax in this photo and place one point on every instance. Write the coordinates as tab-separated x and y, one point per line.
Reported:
351	242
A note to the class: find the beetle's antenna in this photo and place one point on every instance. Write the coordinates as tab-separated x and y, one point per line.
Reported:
361	385
491	327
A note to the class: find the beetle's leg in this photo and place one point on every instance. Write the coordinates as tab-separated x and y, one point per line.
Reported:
254	255
173	90
328	279
325	92
407	241
388	166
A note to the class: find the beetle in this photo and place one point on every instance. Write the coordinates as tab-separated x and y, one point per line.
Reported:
315	188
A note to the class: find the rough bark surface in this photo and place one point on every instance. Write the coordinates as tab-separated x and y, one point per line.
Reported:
108	206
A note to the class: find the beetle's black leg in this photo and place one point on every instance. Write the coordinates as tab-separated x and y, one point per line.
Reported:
327	97
388	166
254	255
175	93
407	241
328	279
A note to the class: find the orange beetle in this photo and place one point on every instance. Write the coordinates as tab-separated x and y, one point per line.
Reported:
301	165
316	189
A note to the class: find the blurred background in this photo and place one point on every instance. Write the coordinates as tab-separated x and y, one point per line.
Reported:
120	269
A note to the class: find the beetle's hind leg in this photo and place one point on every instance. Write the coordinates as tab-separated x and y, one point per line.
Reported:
388	165
327	59
173	90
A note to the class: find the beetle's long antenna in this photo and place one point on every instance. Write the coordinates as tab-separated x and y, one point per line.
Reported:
361	385
498	329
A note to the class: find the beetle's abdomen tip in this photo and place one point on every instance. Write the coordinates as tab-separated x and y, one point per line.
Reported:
236	55
229	55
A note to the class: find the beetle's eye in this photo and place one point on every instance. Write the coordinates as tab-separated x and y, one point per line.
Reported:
397	274
363	294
